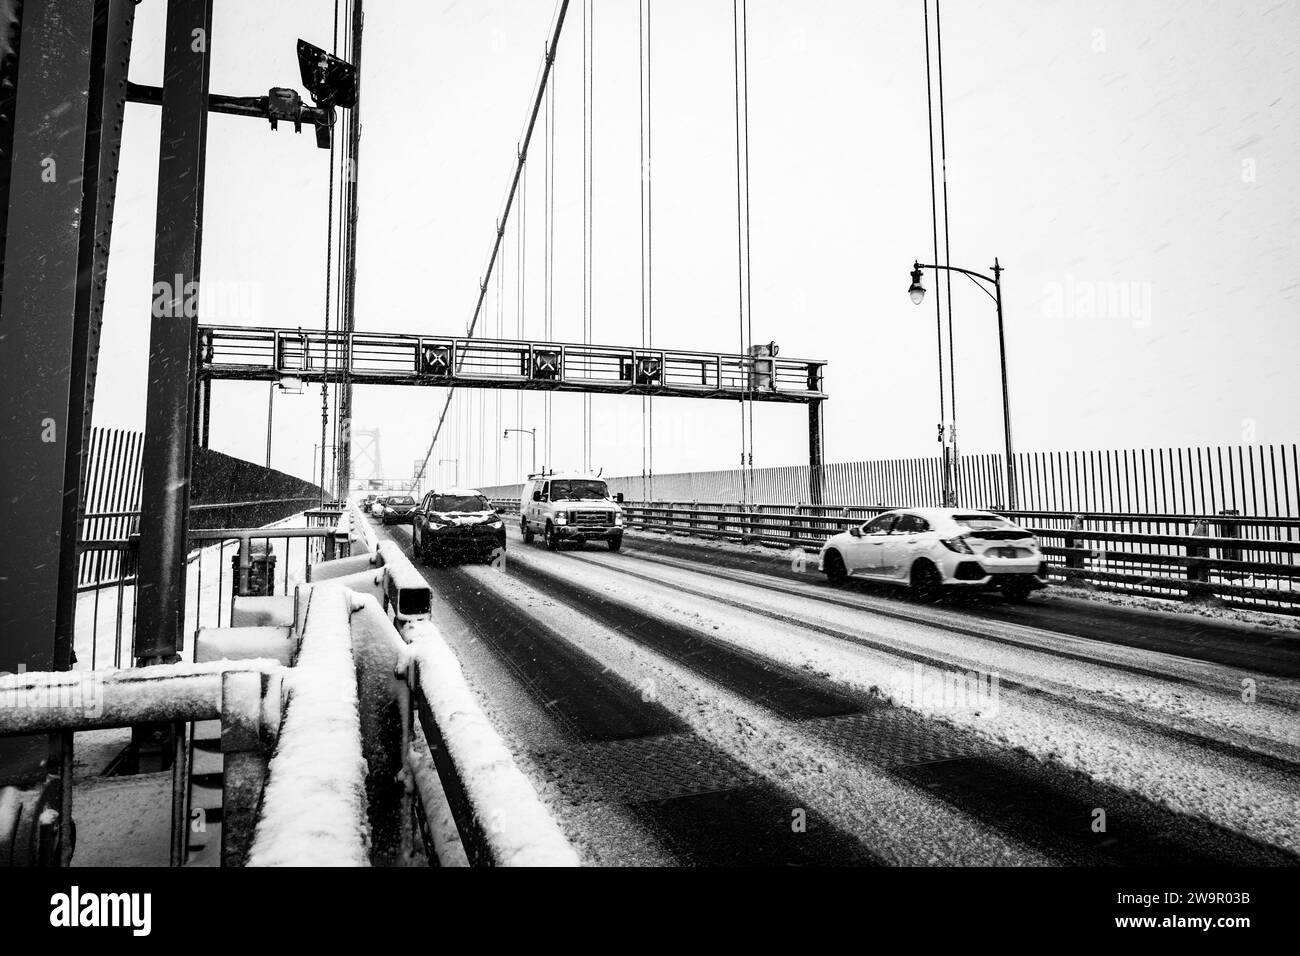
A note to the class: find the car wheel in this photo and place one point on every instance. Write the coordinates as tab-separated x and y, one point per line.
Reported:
836	572
527	530
552	537
1016	592
926	583
615	543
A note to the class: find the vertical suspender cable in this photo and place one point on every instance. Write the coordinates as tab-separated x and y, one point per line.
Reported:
947	259
749	272
740	250
329	276
650	228
934	219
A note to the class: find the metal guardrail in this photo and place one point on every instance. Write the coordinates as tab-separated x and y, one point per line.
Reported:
1247	562
245	696
499	817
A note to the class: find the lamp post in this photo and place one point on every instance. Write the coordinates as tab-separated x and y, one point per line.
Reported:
527	431
291	385
322	449
456	480
917	292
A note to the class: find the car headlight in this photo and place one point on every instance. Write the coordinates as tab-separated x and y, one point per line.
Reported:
495	523
618	519
561	518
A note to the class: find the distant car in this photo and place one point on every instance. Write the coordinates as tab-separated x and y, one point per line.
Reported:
377	507
397	509
932	549
367	502
456	523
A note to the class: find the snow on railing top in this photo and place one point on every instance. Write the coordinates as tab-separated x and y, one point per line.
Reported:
509	816
314	807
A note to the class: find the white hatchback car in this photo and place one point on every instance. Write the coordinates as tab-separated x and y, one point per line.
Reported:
930	549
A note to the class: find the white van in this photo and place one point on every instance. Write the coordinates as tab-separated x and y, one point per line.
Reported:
570	506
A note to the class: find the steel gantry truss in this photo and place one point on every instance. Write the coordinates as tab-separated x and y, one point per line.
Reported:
373	358
237	353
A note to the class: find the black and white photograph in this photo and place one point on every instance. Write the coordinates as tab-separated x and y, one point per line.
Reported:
663	435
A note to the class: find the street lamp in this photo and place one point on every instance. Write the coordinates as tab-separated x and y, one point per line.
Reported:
291	385
456	480
526	431
917	292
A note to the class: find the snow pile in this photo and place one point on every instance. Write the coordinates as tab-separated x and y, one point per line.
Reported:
515	825
314	807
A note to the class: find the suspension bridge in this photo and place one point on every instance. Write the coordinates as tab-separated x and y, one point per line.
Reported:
197	647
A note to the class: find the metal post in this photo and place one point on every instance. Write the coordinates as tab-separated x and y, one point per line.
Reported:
172	359
1012	498
270	413
815	452
353	146
63	66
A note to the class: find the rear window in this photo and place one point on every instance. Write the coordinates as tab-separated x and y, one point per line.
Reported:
983	522
446	503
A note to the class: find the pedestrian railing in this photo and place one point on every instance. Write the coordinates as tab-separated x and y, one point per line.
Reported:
263	561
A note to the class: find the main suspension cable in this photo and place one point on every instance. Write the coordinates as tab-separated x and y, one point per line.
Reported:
500	233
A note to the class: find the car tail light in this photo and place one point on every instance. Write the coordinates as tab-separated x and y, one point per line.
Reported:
957	544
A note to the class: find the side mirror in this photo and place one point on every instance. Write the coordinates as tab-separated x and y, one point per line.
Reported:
855	531
619	497
537	496
501	510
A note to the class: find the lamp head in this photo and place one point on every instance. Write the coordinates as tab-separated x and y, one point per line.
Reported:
916	290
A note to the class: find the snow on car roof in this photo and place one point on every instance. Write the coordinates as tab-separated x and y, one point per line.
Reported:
463	492
567	476
946	514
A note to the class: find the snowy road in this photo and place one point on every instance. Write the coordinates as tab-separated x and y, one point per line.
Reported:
696	705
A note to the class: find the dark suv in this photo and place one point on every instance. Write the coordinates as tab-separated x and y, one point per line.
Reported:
456	524
398	509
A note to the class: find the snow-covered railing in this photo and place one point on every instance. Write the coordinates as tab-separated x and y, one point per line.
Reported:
314	805
362	530
499	815
244	695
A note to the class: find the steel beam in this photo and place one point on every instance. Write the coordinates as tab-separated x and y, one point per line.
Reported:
63	69
168	448
352	168
816	453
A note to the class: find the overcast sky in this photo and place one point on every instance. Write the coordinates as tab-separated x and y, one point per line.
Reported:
1133	166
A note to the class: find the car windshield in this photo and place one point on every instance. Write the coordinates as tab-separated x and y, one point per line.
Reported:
579	489
401	500
982	522
445	503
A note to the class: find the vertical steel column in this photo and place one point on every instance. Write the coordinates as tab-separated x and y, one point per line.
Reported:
816	445
815	453
63	68
353	141
168	448
47	64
